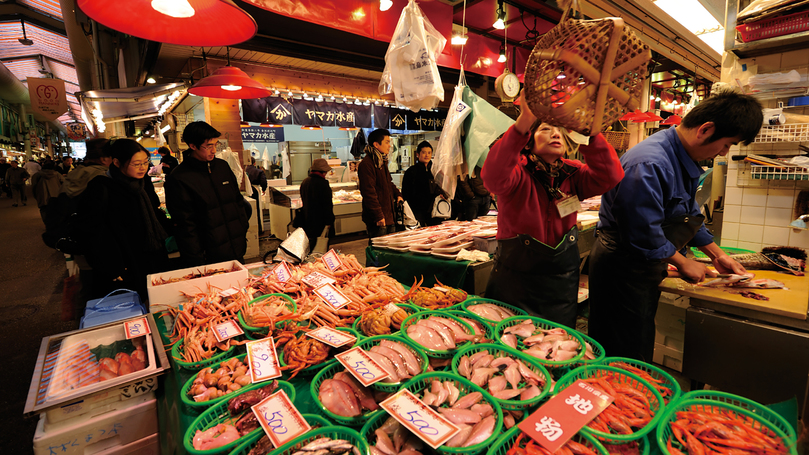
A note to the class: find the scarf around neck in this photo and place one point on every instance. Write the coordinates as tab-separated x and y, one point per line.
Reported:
547	174
381	158
154	230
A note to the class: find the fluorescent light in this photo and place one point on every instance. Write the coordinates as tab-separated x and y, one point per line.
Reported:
277	93
165	128
173	8
693	16
385	5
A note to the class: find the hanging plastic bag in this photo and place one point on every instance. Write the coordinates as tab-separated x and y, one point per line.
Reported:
160	140
449	153
411	71
233	161
483	126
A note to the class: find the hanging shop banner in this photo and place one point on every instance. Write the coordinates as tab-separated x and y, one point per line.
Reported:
425	120
76	131
327	113
397	119
255	110
262	134
48	97
279	110
345	117
381	117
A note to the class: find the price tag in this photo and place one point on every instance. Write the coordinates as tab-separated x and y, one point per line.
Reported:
553	424
317	279
362	366
440	289
430	426
282	272
228	292
391	309
227	330
332	337
332	296
279	418
136	328
263	360
332	260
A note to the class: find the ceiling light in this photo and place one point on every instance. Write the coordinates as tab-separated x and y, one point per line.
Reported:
345	100
367	103
24	40
244	124
500	23
385	5
174	8
332	97
657	98
386	103
319	98
165	128
357	102
277	93
458	40
290	94
311	127
229	82
151	80
349	128
231	88
502	57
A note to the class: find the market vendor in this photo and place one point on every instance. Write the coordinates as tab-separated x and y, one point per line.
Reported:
419	188
538	192
646	221
318	208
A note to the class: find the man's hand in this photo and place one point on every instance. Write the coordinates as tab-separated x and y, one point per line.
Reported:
399	200
694	271
726	264
380	223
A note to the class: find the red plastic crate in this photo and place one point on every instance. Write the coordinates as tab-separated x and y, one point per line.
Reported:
777	26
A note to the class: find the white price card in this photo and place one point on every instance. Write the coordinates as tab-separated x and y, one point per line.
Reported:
317	279
332	337
332	260
279	418
228	292
430	426
227	330
263	360
362	366
282	272
136	328
332	296
391	309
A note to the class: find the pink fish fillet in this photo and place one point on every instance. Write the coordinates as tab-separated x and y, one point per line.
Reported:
529	375
384	443
509	340
460	438
428	398
476	356
481	431
411	361
446	334
465	367
484	409
485	311
508	420
214	437
501	362
537	352
474	324
524	329
467	400
512	375
454	392
534	339
395	359
441	393
426	337
483	362
460	415
529	392
564	355
386	365
507	394
481	375
364	395
497	383
338	398
460	332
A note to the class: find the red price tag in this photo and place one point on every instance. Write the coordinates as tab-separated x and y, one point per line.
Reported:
332	260
331	295
136	328
227	330
282	272
555	422
280	420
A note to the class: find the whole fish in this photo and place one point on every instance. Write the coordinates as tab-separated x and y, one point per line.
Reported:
529	375
524	329
501	362
484	409
483	362
497	383
460	415
467	400
384	443
465	367
395	359
509	339
460	438
529	393
440	392
481	431
507	394
481	375
454	392
412	362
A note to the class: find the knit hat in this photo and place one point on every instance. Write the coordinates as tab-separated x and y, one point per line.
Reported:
320	165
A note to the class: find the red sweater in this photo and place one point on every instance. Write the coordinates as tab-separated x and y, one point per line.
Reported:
523	203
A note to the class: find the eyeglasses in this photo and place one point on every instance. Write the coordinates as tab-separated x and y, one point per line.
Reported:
139	165
207	146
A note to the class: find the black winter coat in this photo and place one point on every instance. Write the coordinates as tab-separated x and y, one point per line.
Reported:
420	190
318	208
208	211
378	192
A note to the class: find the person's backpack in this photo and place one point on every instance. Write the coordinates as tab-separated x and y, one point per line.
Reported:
62	229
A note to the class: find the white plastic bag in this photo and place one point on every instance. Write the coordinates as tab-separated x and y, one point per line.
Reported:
449	152
233	161
411	71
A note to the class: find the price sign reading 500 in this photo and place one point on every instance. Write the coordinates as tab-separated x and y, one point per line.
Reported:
430	426
422	425
275	421
279	418
361	366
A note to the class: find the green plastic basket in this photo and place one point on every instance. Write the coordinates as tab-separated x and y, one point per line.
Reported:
498	350
540	323
309	371
726	249
456	306
312	419
368	343
410	309
200	406
195	366
598	352
219	414
478	300
425	380
466	316
644	447
656	404
502	445
437	353
256	331
756	420
327	373
762	411
666	379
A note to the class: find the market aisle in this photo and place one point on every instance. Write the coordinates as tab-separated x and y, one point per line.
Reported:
31	276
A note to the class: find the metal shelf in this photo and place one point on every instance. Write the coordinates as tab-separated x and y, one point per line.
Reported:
778	173
768	46
794	132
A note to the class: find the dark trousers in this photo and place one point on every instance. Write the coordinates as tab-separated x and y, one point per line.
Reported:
475	207
378	231
18	193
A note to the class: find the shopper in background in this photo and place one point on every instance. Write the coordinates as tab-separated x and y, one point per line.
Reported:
379	194
65	167
419	188
318	208
16	177
647	221
4	166
472	199
97	161
45	186
256	175
537	260
32	167
203	198
167	162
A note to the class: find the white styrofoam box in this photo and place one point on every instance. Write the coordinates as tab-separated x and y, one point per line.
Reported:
668	357
149	445
130	421
171	293
105	398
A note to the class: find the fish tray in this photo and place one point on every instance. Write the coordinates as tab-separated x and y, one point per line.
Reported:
502	445
551	365
478	300
327	373
200	406
755	420
410	309
488	330
368	343
219	414
257	331
666	379
333	432
437	353
315	421
424	381
196	366
628	379
530	362
311	370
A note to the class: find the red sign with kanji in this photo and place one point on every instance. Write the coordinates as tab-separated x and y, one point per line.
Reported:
553	424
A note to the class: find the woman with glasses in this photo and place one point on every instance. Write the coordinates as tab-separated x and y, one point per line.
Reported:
124	237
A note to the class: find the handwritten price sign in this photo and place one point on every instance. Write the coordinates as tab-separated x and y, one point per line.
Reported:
282	272
317	279
227	330
263	360
332	260
430	426
362	366
136	328
228	292
332	296
332	337
280	419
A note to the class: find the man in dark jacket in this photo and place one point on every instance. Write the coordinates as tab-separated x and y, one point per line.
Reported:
419	187
379	194
318	208
204	201
167	162
4	166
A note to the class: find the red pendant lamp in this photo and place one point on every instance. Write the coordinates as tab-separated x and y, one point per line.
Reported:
229	82
672	120
184	22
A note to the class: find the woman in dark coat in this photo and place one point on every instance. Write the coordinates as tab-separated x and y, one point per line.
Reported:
125	238
318	208
419	188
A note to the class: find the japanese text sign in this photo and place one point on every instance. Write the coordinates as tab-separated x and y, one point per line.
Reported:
555	422
332	296
280	419
227	330
262	134
362	366
48	97
317	279
263	360
332	337
430	426
282	272
332	260
136	328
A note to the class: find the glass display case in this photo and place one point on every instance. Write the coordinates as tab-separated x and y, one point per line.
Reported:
284	200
